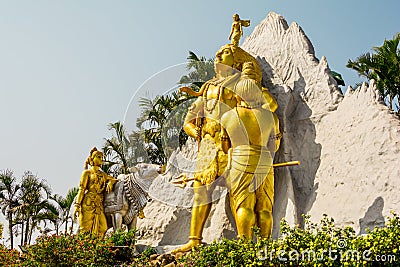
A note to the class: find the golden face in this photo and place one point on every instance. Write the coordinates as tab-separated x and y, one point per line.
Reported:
97	158
225	57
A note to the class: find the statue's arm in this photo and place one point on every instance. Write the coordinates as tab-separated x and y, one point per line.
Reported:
274	140
110	183
82	186
232	30
245	22
194	114
225	140
271	103
81	192
278	134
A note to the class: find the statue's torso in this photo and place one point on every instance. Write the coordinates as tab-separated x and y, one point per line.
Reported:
217	100
94	190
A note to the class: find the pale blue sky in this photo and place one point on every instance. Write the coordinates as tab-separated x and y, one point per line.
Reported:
69	68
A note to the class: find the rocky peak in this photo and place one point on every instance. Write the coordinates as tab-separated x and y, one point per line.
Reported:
288	59
339	140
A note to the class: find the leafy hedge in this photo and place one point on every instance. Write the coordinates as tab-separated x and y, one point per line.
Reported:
319	244
8	257
70	250
78	250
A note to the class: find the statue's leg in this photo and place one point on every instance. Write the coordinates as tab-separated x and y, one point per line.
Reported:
201	210
235	39
132	225
264	203
114	224
264	222
118	221
102	221
245	216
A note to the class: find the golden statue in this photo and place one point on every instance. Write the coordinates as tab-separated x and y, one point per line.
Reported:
89	203
246	133
236	31
202	122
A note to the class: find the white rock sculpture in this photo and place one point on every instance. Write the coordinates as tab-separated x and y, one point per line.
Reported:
349	147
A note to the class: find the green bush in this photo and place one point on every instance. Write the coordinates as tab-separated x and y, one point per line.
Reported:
82	249
143	260
123	238
321	244
8	257
70	250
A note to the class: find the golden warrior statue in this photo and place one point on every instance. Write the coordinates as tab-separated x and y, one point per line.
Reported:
89	203
246	137
202	122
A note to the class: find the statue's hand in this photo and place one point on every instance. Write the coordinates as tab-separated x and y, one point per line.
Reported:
109	187
77	211
195	132
192	130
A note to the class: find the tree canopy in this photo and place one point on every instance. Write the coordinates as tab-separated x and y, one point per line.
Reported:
382	65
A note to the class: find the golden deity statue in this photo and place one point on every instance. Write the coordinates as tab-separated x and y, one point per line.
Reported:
202	122
248	135
237	31
89	203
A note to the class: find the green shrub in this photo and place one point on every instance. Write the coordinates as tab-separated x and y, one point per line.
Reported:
70	250
321	244
8	257
143	260
124	244
123	238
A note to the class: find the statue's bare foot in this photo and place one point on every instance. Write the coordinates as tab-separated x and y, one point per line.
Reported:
188	246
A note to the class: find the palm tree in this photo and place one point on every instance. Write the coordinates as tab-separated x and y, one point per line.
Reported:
8	199
338	78
201	70
33	202
160	120
47	211
64	207
383	65
149	124
155	113
120	151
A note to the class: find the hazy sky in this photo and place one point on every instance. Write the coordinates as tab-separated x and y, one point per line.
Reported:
69	68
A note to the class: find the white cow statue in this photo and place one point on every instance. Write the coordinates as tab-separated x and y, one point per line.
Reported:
130	195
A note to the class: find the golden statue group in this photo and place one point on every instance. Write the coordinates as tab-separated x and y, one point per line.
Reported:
233	119
238	134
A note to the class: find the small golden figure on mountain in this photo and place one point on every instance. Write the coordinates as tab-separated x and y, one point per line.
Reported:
237	31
